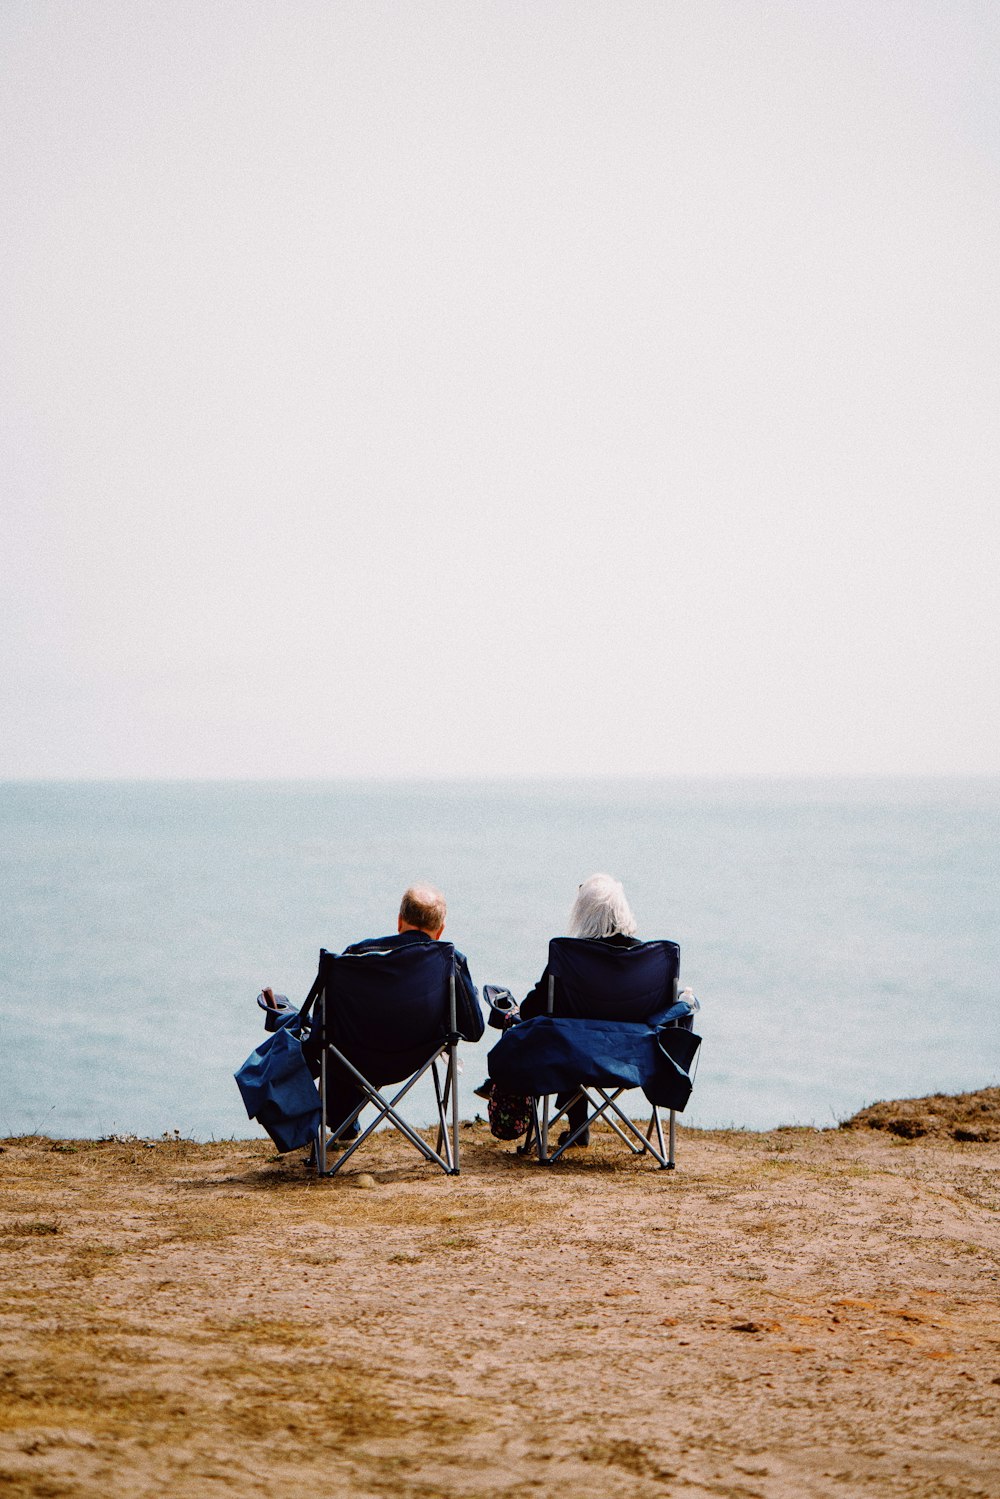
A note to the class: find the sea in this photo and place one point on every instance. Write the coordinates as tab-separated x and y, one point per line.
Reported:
842	935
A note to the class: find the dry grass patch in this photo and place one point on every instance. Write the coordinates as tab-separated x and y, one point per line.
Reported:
630	1457
287	1333
31	1229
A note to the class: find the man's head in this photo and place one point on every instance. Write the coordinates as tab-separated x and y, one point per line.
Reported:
423	909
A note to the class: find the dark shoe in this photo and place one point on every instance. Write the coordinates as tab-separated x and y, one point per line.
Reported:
580	1140
485	1089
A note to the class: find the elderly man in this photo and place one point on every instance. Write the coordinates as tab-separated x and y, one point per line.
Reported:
422	914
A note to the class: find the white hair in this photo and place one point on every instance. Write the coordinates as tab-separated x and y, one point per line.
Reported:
601	910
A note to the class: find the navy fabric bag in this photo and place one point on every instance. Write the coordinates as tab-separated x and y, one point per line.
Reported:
278	1090
551	1054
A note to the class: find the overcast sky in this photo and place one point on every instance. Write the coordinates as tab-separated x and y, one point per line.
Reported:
459	388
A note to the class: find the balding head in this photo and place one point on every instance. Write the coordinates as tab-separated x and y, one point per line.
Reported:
423	909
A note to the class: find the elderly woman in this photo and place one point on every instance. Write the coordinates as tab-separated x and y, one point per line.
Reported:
600	911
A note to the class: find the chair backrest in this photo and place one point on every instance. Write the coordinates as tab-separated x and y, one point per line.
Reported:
597	980
388	1003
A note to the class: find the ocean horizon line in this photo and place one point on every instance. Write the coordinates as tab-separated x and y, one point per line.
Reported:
517	778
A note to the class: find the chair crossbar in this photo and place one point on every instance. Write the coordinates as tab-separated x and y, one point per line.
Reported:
535	1131
575	1134
387	1110
537	1135
609	1102
645	1141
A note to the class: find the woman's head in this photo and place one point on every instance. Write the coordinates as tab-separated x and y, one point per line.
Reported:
601	910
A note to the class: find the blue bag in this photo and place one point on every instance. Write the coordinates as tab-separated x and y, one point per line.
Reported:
278	1089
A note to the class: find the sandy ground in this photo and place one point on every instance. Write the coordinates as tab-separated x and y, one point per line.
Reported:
795	1313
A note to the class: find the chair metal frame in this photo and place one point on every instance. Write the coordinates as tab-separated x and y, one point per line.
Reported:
446	1153
538	1131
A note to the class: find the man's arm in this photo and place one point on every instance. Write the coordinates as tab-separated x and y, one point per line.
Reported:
468	1013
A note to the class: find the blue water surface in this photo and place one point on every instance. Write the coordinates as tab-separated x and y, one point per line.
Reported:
843	936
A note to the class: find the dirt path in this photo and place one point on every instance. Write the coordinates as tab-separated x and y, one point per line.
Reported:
790	1314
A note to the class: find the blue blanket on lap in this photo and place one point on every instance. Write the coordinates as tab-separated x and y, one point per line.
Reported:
550	1054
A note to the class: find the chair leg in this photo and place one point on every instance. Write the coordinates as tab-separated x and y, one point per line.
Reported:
671	1164
453	1076
321	1136
443	1141
655	1121
450	1094
530	1140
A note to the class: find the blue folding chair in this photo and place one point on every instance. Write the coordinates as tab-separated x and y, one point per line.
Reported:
613	1022
386	1016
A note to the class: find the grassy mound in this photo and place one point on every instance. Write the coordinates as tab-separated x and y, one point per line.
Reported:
954	1116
